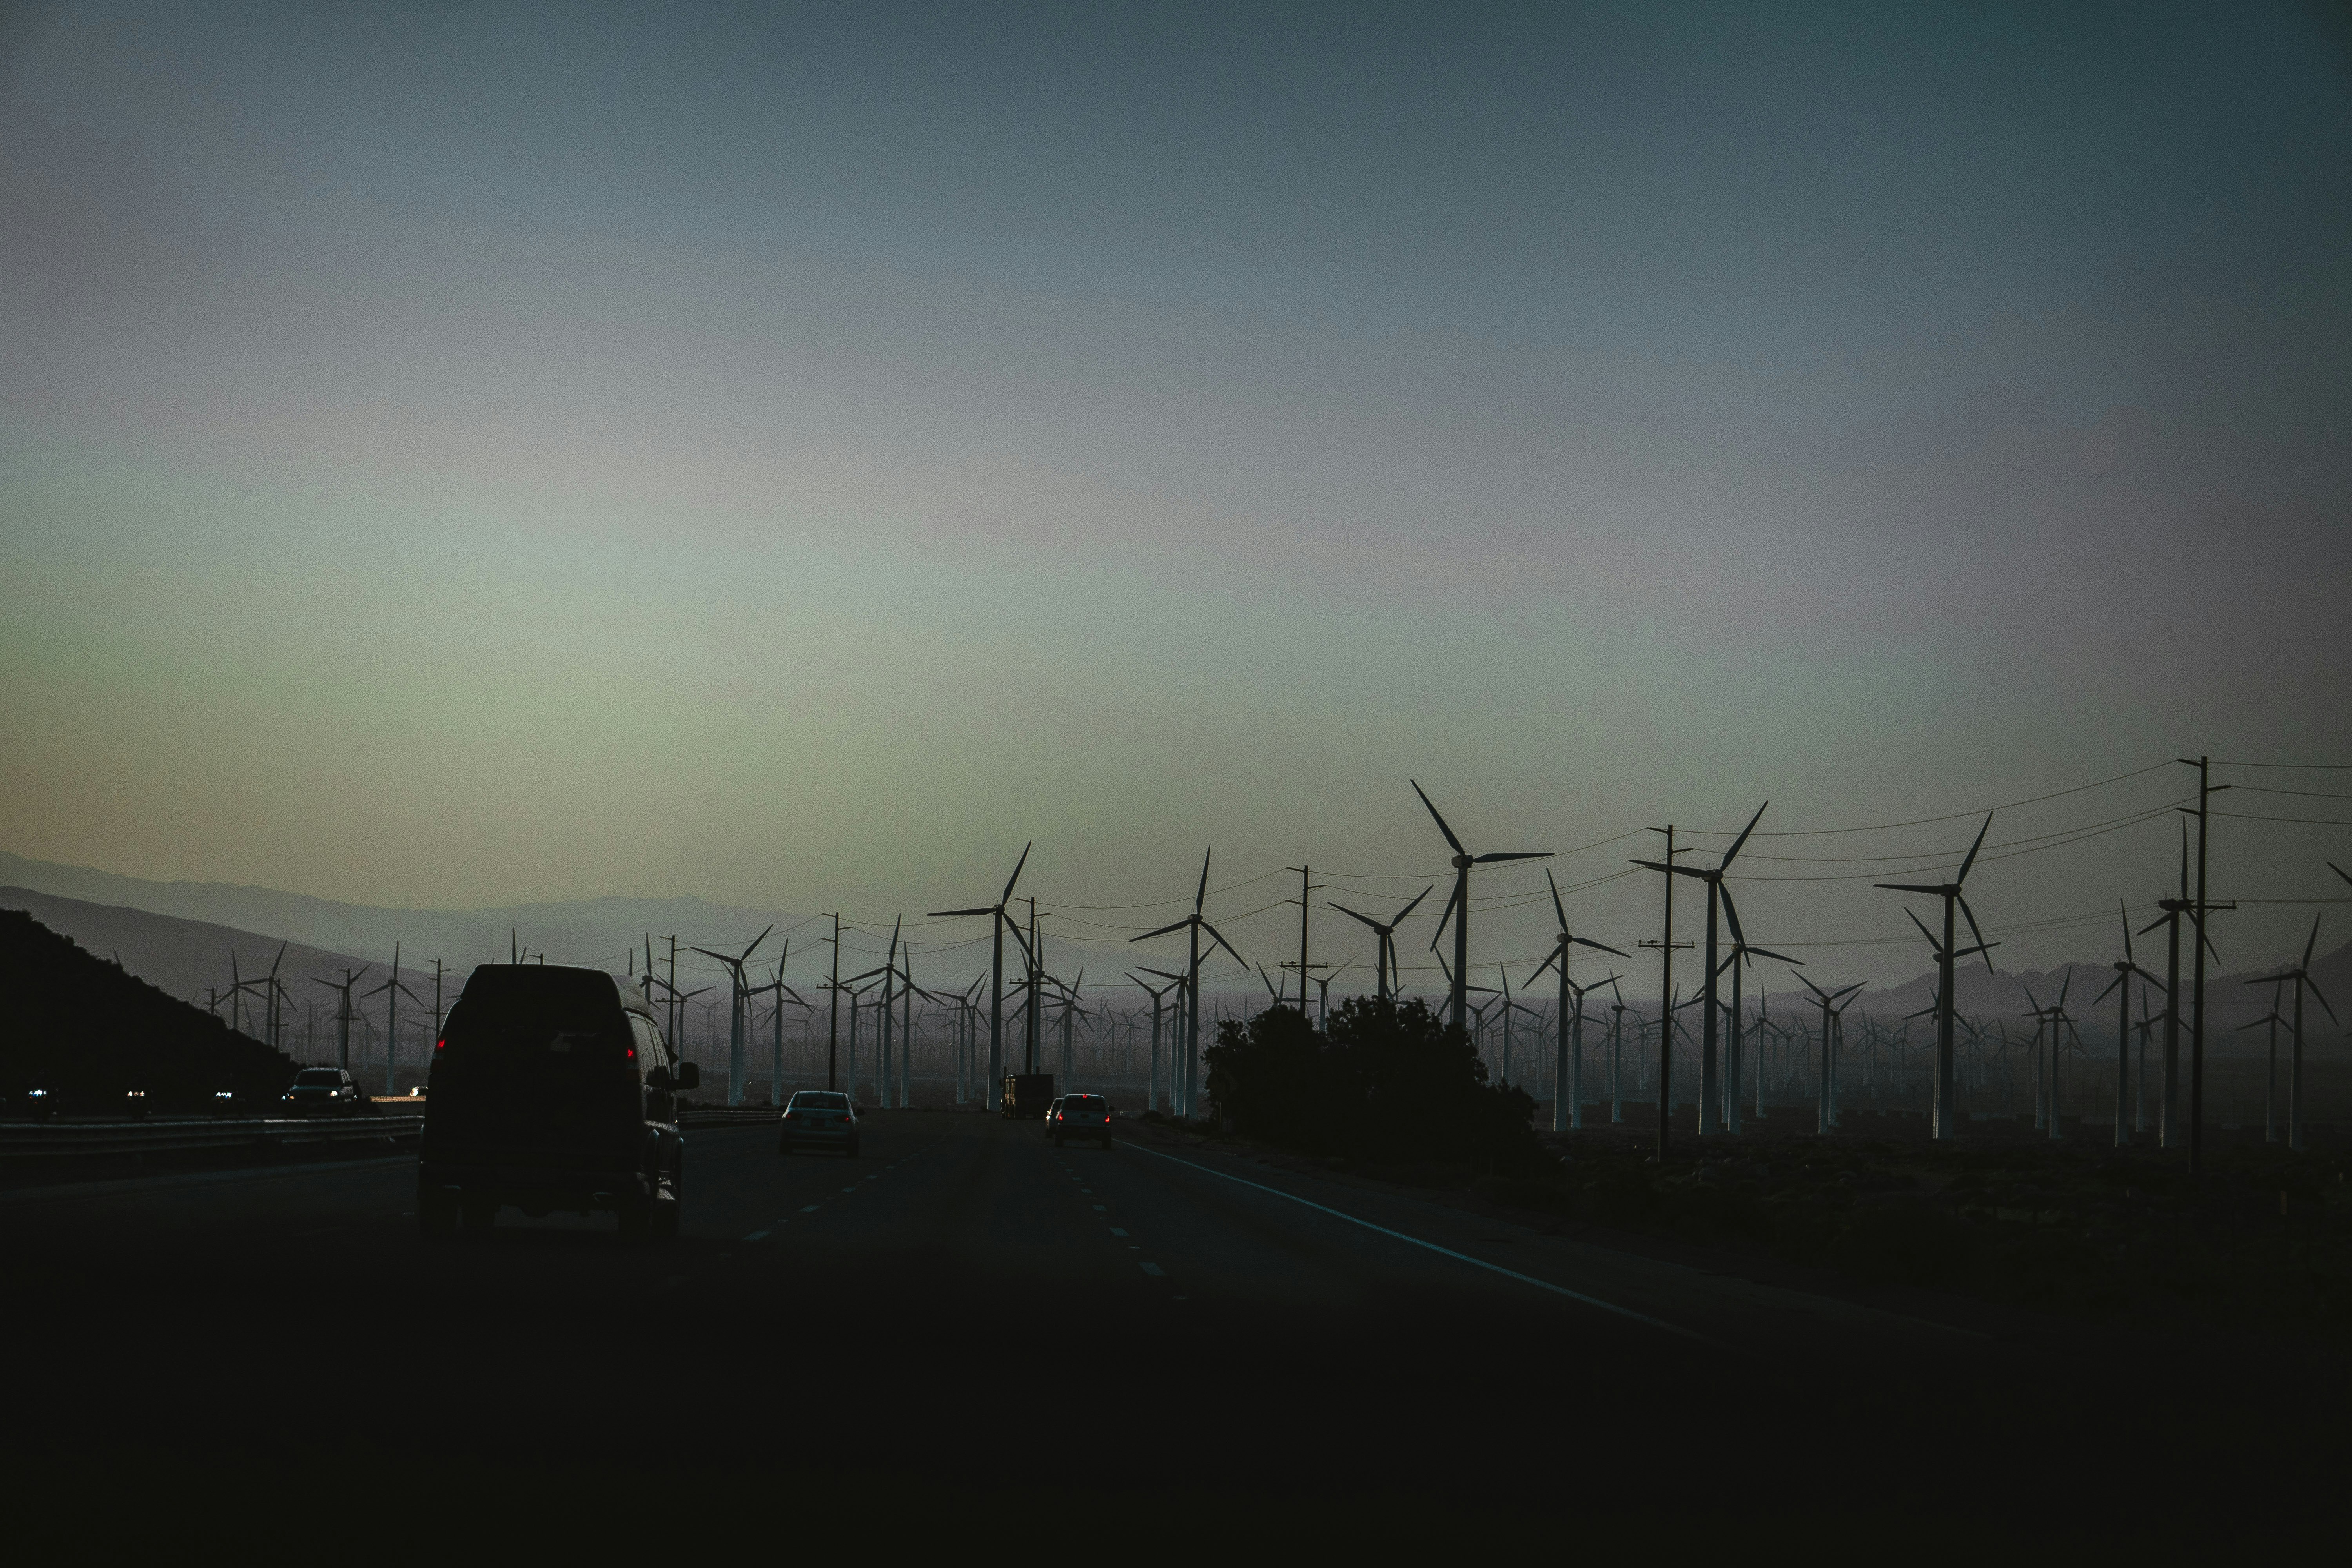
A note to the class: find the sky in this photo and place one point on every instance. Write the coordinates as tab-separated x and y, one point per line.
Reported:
458	455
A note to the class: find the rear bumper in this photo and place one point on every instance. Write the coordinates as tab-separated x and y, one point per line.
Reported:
538	1186
814	1138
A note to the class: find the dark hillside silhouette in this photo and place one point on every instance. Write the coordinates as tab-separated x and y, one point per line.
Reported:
85	1030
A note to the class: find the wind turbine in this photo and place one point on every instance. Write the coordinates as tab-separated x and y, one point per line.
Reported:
735	1013
2053	1016
998	919
1192	925
1152	1084
343	1011
1942	1122
2124	967
2300	977
1710	1106
1458	907
1833	1012
1569	1068
393	989
780	990
1741	954
2270	1082
1385	961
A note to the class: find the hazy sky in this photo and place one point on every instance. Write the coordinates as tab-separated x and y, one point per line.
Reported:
469	454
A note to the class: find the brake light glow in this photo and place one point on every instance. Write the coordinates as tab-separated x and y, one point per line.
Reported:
442	1044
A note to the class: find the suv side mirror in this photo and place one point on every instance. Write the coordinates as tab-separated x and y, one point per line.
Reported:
690	1074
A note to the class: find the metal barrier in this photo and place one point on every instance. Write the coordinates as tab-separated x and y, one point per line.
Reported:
729	1116
23	1139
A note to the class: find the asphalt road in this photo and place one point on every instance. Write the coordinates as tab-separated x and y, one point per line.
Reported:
967	1324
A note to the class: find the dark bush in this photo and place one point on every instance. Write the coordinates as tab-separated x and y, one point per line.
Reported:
1389	1082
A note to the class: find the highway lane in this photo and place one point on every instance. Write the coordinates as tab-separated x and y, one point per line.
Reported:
966	1307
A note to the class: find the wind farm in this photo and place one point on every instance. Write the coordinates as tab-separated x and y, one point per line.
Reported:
1191	781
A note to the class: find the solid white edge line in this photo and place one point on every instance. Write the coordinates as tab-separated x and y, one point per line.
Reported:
1445	1251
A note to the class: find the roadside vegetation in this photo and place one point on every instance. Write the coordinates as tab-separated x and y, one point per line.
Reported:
1388	1083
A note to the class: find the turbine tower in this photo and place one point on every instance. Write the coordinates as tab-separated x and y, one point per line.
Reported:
1710	1089
2300	975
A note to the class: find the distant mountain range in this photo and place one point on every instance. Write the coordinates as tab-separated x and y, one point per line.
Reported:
183	936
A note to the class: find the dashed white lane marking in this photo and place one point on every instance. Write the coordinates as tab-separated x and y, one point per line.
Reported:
757	1235
849	1189
1443	1251
1116	1231
1155	1271
1100	1208
810	1209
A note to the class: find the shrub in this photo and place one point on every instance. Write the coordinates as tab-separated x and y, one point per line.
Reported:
1389	1082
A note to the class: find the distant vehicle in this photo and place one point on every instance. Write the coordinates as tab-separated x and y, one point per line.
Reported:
1080	1116
40	1104
326	1091
551	1089
134	1104
1027	1095
819	1118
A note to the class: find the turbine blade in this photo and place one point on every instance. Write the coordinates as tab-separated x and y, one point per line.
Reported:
1440	821
1556	907
1513	855
1016	871
1602	946
2307	946
950	914
2322	1000
1767	953
1407	908
1201	896
2102	995
1731	916
1973	848
1223	943
1973	932
763	936
1732	852
1163	930
1354	916
1911	888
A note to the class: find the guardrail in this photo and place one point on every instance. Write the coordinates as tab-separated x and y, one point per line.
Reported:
729	1116
33	1139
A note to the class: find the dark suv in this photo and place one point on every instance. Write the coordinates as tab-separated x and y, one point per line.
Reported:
1080	1116
551	1089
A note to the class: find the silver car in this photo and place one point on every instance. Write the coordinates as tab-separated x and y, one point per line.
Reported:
819	1118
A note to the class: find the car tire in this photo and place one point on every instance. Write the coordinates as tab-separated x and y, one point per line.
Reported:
850	1152
635	1222
662	1223
782	1147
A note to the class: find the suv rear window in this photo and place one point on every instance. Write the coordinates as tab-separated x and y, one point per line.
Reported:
1088	1102
319	1078
819	1102
548	1019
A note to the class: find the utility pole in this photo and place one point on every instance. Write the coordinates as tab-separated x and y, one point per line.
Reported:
2205	790
1035	1033
832	1013
1305	887
1665	947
